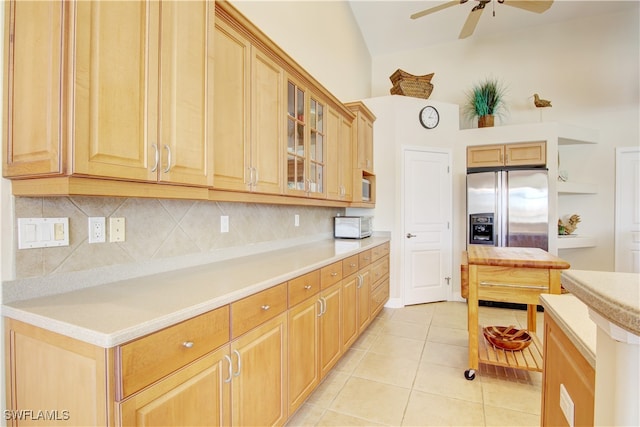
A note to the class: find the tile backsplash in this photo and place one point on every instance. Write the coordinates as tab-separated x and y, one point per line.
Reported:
158	229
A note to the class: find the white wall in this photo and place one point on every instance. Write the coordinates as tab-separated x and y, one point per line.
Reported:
321	36
588	68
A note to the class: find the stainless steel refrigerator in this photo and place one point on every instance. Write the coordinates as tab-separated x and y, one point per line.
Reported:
508	208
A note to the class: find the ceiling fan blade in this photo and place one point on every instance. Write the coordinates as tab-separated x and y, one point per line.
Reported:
436	9
471	22
537	6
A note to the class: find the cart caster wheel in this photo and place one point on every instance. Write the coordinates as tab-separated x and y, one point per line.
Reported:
470	374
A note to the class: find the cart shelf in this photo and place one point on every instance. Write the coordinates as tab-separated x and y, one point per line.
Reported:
529	358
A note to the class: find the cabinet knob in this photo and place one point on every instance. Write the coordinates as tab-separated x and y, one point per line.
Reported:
334	274
352	265
307	287
187	344
266	307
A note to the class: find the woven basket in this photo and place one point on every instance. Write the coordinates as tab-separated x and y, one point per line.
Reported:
409	85
507	337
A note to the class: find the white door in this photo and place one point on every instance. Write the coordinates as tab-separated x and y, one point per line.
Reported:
628	210
427	234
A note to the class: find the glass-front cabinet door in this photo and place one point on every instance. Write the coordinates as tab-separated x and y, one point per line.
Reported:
296	139
305	142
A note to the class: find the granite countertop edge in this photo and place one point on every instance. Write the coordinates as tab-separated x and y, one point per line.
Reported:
609	307
55	312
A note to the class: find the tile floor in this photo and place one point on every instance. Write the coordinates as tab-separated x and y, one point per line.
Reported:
407	369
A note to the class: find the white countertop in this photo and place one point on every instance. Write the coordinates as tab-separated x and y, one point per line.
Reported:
572	316
111	314
614	296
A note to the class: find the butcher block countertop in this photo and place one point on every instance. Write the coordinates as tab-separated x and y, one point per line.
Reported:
514	257
112	314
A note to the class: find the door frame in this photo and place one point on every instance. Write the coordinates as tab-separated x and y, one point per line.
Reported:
620	186
401	264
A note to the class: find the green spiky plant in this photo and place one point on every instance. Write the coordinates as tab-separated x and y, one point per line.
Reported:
485	98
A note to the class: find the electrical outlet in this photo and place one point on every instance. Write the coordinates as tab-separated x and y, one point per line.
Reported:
224	223
116	229
296	220
97	229
566	405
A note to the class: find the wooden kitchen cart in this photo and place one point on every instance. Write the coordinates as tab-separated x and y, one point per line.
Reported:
516	275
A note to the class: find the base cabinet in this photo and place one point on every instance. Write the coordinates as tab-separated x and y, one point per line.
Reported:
565	368
250	363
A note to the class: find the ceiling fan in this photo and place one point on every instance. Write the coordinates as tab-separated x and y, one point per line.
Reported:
537	6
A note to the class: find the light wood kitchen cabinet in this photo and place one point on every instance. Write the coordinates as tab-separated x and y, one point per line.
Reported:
49	371
565	366
198	394
248	115
330	328
350	329
363	295
259	384
136	93
521	154
363	148
339	155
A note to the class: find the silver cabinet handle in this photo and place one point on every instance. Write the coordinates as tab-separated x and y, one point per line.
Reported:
166	147
187	344
265	307
237	353
409	235
228	359
324	300
307	287
360	280
155	165
320	310
250	169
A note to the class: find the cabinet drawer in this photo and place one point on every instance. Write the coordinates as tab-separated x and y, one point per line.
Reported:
379	251
379	296
379	269
146	360
364	258
304	287
349	265
251	311
331	274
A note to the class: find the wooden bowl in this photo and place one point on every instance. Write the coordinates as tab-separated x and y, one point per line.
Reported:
507	337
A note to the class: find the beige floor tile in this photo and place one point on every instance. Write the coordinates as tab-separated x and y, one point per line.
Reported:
386	313
333	419
502	393
328	389
500	417
426	409
449	382
365	340
459	337
397	347
491	372
306	415
395	371
450	320
414	314
416	331
373	401
349	360
453	356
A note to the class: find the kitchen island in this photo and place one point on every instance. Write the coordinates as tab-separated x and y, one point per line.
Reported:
613	302
508	274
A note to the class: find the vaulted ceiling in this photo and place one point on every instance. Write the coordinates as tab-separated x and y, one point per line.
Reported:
386	25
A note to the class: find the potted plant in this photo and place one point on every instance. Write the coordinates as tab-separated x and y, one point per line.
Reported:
484	101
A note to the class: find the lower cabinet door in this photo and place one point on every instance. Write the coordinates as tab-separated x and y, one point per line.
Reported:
196	395
364	299
330	331
349	311
259	389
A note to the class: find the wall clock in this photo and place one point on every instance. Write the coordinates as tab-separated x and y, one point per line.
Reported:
429	117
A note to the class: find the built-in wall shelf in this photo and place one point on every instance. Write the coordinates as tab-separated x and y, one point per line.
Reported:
574	241
568	187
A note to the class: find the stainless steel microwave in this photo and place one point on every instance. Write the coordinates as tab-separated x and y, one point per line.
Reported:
352	227
366	190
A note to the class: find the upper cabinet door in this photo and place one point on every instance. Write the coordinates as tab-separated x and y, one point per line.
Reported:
33	86
186	92
297	135
116	90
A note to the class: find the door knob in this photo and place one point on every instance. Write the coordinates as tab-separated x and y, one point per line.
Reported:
409	235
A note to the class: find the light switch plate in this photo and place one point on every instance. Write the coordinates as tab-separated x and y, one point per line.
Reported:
116	229
42	232
224	224
566	405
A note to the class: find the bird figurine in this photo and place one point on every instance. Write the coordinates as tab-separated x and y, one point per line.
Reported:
540	103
